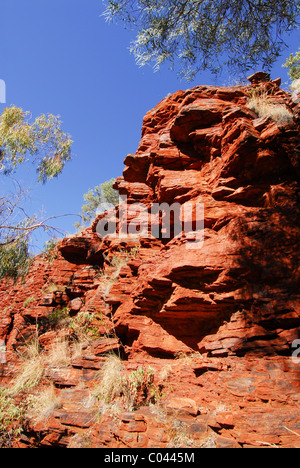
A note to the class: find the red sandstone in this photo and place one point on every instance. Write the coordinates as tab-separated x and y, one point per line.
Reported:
216	324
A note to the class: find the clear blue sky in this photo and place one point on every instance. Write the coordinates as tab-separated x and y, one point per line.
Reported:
61	57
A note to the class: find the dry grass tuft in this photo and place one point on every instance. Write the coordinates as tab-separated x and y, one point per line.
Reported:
59	354
35	362
263	107
111	383
32	369
41	405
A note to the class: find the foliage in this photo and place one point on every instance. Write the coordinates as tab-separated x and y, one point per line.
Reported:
50	251
207	34
11	418
44	143
138	388
14	241
42	139
293	63
28	301
16	225
97	200
58	317
122	257
83	327
14	259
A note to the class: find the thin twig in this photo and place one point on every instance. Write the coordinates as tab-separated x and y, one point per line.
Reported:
290	430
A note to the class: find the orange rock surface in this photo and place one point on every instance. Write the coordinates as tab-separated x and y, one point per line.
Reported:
217	324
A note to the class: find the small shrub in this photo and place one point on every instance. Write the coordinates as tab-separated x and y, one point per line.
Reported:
15	260
124	256
82	326
137	388
28	301
59	317
50	251
12	417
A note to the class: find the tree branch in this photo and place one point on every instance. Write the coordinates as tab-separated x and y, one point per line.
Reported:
31	228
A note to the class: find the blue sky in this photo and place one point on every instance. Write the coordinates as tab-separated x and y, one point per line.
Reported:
61	57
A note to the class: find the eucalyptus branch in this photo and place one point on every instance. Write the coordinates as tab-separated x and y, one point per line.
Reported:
21	230
207	34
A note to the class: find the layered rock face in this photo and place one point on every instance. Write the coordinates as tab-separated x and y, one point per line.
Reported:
211	302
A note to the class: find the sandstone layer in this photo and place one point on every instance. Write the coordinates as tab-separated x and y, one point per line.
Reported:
215	324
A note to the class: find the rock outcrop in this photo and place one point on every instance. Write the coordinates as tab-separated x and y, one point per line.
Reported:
217	321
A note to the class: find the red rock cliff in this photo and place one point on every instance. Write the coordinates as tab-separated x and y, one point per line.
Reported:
217	324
